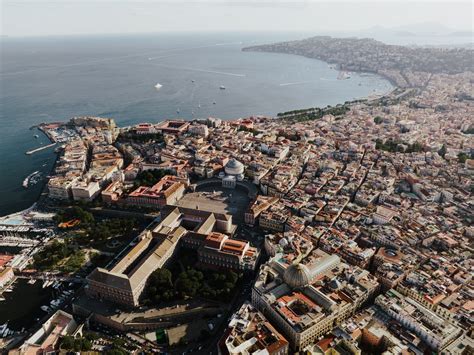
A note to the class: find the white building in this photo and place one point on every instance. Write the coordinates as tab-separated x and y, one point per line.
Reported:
85	191
45	339
199	130
59	188
306	299
435	331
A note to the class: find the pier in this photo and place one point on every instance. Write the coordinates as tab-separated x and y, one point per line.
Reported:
29	152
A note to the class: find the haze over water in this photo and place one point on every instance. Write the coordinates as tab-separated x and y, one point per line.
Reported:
56	78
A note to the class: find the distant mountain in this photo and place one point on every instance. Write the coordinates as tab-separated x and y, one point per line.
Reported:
424	28
418	29
462	34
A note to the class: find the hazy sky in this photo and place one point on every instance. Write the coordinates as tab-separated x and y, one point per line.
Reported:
64	17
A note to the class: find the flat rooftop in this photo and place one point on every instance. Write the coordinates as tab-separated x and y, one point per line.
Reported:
218	200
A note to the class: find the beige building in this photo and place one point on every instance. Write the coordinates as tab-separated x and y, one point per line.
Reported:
205	231
249	333
307	297
85	191
46	338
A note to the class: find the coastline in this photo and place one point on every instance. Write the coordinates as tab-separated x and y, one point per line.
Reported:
44	182
40	126
337	66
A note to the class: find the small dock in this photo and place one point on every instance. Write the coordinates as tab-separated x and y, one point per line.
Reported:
32	151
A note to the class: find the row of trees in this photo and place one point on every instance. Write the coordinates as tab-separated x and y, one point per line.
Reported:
391	145
163	287
314	113
107	229
74	212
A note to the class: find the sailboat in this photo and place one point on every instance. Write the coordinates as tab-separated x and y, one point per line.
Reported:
158	86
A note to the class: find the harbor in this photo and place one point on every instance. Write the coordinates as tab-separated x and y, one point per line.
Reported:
21	305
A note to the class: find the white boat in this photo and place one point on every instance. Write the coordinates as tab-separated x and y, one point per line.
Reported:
26	182
343	75
222	87
4	331
158	86
47	283
45	308
31	281
36	136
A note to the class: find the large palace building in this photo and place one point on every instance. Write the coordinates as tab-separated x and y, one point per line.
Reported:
305	293
208	233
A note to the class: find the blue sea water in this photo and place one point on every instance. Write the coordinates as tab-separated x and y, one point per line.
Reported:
56	78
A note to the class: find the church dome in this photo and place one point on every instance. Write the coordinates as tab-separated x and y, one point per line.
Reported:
296	275
234	167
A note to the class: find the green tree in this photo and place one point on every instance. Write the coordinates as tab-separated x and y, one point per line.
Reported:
443	150
67	342
462	157
378	120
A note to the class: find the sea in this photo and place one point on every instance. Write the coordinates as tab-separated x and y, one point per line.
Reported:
46	79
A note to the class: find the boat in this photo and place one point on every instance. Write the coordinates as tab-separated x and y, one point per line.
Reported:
214	103
32	177
47	283
222	87
4	331
177	111
31	281
343	75
36	136
45	308
158	86
193	81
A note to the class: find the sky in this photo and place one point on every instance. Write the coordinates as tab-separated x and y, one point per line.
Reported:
76	17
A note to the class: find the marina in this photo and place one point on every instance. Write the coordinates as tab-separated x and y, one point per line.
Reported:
21	307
